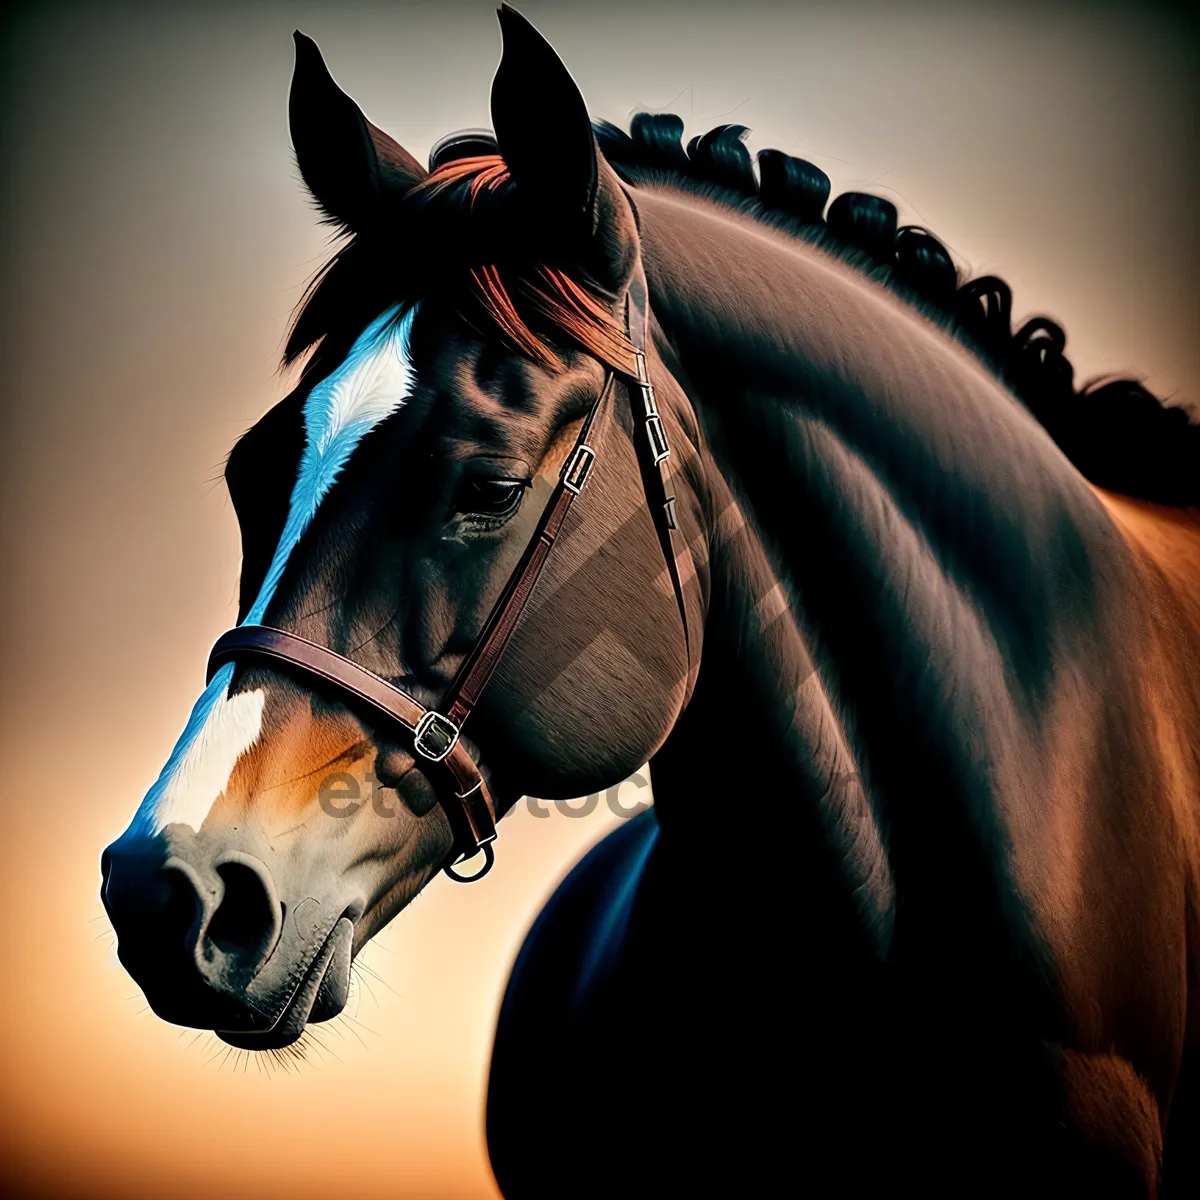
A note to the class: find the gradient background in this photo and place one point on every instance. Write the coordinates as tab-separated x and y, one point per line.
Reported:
152	242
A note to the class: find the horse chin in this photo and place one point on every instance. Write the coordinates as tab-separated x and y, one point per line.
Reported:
320	996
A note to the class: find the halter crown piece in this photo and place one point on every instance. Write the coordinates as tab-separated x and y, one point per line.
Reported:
434	734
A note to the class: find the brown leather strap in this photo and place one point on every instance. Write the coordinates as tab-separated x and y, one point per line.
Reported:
473	817
481	663
654	451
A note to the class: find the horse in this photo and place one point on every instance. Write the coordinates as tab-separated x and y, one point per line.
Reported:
906	626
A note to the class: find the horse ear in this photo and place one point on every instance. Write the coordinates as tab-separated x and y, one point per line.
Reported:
354	171
545	137
541	121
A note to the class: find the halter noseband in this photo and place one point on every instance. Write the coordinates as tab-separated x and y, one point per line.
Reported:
434	734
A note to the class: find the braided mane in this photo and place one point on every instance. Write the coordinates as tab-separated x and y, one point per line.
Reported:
1117	433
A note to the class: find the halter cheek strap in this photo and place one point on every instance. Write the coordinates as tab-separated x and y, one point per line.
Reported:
654	452
435	733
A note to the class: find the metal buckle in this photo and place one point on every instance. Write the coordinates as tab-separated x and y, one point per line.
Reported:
647	388
435	736
489	857
658	439
575	472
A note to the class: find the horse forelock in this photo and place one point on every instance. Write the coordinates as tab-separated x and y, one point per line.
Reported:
462	236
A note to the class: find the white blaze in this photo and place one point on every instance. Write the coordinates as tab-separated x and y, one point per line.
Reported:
371	384
203	772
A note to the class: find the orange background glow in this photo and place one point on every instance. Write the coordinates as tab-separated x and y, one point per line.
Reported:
153	240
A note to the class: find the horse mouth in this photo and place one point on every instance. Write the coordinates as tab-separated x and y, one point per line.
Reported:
320	995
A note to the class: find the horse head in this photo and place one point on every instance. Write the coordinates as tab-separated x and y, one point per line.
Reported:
470	321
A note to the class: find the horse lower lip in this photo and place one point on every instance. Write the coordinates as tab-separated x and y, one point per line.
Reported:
294	1016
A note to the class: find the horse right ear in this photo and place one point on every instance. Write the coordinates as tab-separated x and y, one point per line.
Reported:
545	137
355	172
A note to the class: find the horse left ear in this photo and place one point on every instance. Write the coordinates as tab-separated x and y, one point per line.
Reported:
354	171
545	137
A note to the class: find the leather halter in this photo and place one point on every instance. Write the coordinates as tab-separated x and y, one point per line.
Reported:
434	734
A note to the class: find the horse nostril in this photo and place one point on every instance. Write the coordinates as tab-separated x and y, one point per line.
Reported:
194	925
181	906
246	924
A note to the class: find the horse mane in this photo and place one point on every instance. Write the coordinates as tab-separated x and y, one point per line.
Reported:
1117	433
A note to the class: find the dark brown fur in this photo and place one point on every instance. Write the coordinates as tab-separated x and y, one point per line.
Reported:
917	907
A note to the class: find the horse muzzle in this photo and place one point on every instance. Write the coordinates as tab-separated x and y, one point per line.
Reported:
202	929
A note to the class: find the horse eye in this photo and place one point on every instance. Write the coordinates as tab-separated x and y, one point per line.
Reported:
488	497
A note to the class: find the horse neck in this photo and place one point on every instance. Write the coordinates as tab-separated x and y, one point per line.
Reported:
897	553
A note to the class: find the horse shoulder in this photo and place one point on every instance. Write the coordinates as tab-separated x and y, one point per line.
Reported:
1121	866
1165	545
